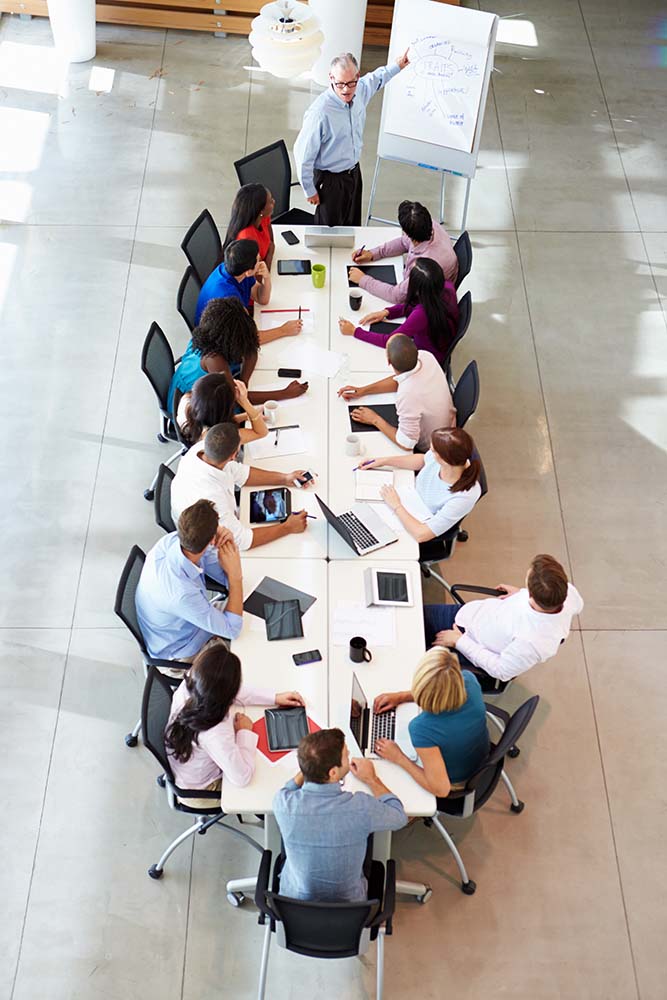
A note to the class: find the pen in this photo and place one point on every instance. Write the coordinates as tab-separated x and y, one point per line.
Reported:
363	465
312	517
275	443
299	313
285	427
360	251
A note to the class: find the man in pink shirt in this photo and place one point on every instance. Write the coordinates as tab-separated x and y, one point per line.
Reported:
423	400
420	238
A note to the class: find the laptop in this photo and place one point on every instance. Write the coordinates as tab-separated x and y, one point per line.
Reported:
367	727
360	526
329	236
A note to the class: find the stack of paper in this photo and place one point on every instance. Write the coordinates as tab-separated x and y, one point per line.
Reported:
369	483
376	625
290	442
312	359
412	502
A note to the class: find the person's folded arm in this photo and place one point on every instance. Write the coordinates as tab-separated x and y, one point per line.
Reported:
382	290
515	659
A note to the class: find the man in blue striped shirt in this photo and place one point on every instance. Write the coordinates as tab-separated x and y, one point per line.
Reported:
328	147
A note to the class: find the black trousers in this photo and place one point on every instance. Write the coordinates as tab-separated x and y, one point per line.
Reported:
340	197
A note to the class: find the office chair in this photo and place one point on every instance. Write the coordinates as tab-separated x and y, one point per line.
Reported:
466	394
326	930
157	364
465	315
188	296
202	245
463	251
481	785
490	685
270	166
155	710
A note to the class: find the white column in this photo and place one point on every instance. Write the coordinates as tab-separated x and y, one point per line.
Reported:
73	27
342	23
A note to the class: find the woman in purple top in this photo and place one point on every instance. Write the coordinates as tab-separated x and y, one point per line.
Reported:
431	312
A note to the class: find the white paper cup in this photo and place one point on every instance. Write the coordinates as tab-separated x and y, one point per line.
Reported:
271	412
353	445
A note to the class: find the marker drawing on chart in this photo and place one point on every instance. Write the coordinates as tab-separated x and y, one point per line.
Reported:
440	70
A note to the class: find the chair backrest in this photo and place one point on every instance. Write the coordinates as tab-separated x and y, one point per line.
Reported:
514	729
465	315
466	394
483	481
202	245
163	517
322	930
463	251
124	605
155	709
188	296
157	364
175	403
269	166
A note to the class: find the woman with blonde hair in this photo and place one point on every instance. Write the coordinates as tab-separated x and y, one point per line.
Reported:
449	734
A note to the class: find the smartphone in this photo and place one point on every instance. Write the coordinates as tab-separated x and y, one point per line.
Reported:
289	373
293	267
312	656
290	237
270	506
307	477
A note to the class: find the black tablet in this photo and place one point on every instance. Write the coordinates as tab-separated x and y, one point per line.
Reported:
383	272
283	620
285	727
293	267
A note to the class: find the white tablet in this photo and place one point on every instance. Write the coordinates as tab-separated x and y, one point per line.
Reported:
387	587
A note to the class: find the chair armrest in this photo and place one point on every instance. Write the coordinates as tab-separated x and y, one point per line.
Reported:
470	589
262	886
387	912
499	713
214	585
156	661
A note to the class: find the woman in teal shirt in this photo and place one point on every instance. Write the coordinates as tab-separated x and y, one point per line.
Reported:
450	733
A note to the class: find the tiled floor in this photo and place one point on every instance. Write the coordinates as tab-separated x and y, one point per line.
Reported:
569	227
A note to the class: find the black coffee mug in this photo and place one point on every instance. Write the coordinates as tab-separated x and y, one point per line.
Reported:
355	299
359	651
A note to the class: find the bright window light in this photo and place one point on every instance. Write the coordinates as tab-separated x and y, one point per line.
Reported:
7	256
32	67
515	32
15	201
23	136
101	79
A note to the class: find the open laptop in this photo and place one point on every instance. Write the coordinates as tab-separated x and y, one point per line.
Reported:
329	236
360	526
367	726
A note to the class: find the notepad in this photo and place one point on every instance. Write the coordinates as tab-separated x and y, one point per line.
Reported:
368	483
290	442
412	502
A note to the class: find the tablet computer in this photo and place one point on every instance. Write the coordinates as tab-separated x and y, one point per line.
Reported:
270	506
293	267
283	620
285	727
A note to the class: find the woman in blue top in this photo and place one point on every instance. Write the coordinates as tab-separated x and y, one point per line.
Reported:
450	733
447	482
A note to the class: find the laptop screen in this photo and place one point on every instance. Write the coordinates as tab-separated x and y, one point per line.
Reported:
336	524
358	713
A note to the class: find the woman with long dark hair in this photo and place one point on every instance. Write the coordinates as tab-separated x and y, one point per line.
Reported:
213	400
430	309
205	741
447	481
251	220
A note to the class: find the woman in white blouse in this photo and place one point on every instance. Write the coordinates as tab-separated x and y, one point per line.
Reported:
205	741
447	482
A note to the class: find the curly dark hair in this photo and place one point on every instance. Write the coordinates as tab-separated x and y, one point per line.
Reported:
226	328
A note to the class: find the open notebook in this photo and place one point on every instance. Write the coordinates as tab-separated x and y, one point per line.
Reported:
368	483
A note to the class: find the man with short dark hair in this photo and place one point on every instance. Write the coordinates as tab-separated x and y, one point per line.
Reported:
507	635
210	469
325	830
421	238
174	613
423	397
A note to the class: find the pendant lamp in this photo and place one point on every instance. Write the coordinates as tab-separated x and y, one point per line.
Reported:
285	38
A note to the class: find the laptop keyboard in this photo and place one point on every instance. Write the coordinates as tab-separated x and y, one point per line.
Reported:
384	727
359	531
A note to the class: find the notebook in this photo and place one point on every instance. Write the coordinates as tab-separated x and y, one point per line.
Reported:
383	272
368	483
386	410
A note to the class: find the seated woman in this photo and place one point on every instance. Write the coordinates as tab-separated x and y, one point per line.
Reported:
250	219
213	400
225	341
447	482
450	733
205	742
431	312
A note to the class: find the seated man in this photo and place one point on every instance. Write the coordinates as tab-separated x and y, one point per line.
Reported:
175	616
505	636
423	400
325	829
210	470
421	238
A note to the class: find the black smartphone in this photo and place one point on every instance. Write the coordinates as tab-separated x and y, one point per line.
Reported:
270	506
289	373
293	267
290	237
301	659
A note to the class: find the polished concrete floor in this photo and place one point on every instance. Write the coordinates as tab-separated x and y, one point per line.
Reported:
569	227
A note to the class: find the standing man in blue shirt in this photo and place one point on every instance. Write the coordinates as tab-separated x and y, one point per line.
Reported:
328	147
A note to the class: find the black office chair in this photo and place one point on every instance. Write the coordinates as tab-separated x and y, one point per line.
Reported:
439	549
271	167
326	930
157	364
466	394
463	251
465	315
202	245
188	296
205	805
462	803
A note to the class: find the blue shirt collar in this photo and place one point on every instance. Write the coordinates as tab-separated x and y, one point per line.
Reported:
178	558
331	788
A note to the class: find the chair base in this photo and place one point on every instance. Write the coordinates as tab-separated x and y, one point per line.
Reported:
420	890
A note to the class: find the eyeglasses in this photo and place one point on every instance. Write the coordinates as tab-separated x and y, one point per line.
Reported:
349	84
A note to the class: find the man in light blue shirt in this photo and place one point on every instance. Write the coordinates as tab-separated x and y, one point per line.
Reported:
175	616
328	147
325	829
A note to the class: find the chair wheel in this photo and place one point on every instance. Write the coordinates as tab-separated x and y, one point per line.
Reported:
155	872
425	896
428	821
519	807
426	573
235	898
131	740
149	494
161	781
462	536
513	752
468	887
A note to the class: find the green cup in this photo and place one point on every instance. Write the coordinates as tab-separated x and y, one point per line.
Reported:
319	275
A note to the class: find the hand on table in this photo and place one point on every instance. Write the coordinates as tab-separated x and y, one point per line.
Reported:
350	392
448	637
388	750
355	275
390	497
242	721
297	522
375	317
362	256
364	415
390	699
346	328
289	699
292	327
292	390
363	769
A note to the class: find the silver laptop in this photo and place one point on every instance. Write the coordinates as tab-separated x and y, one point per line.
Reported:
361	527
367	726
329	236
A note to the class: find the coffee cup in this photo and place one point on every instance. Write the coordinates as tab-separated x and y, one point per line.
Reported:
270	412
356	295
353	445
359	651
318	273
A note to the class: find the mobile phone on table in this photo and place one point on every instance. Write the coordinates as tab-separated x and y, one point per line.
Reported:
293	267
290	237
289	373
312	656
